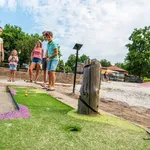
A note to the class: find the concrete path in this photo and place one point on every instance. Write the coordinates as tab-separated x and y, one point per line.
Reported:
6	102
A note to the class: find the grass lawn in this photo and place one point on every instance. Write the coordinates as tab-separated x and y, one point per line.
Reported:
52	125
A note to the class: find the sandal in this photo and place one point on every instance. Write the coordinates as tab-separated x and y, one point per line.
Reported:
50	89
44	86
8	80
29	81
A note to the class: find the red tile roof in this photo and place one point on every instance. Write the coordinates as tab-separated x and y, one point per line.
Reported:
115	68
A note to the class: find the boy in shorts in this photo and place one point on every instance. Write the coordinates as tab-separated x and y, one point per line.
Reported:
52	60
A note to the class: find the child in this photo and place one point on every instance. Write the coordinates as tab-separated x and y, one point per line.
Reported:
52	60
1	47
13	60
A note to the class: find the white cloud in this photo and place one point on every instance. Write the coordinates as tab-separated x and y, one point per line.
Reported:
2	3
103	26
11	4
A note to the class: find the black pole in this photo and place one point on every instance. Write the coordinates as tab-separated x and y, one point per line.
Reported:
75	71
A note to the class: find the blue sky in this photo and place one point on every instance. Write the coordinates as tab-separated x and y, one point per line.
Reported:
18	17
102	26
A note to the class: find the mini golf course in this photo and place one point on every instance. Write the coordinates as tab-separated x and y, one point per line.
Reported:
51	124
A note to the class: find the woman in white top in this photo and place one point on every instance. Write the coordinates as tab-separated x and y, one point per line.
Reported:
1	47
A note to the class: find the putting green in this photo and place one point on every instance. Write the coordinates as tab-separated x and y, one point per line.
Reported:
104	118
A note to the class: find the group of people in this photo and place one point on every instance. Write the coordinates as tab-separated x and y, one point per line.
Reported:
44	55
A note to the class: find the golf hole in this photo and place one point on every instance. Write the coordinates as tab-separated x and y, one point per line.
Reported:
73	128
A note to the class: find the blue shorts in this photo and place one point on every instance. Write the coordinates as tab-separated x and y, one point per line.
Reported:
36	61
51	65
12	67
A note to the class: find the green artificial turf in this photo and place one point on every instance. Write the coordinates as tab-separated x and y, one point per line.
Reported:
55	126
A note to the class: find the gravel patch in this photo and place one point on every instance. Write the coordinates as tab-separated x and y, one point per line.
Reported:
131	93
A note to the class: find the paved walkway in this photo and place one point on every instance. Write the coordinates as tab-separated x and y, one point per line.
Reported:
6	102
65	99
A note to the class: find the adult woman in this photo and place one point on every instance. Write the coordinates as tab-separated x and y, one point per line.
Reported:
36	55
1	47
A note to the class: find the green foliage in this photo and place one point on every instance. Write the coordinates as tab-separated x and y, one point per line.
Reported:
83	58
15	38
26	46
59	51
47	128
138	56
60	66
146	79
105	63
71	61
121	65
68	69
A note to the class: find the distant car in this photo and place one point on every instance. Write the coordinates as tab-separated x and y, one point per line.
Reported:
25	66
112	77
133	79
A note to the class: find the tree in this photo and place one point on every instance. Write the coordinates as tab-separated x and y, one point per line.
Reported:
11	35
105	63
15	38
60	66
71	61
138	56
26	46
59	52
83	58
72	58
121	65
68	69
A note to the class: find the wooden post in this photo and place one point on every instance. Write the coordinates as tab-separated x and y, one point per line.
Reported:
89	99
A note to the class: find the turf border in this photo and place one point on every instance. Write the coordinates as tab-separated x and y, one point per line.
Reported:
13	98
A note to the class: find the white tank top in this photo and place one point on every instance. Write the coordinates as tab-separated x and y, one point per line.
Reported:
1	40
44	46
